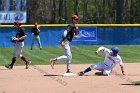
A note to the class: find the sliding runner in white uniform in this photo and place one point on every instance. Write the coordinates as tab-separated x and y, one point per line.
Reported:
111	59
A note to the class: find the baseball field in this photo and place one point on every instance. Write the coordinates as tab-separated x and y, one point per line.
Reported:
40	78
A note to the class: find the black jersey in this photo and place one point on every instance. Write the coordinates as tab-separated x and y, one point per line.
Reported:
70	34
35	30
20	33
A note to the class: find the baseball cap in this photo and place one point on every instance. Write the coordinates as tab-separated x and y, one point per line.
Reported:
115	50
74	17
17	22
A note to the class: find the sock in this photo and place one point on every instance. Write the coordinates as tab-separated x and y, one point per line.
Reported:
87	70
24	59
13	61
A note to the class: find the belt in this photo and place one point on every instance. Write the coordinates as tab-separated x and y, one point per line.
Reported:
106	64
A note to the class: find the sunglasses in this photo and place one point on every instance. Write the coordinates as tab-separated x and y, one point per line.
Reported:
75	19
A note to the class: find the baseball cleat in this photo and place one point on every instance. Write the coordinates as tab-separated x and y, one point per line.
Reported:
28	64
68	71
80	73
99	73
8	66
53	62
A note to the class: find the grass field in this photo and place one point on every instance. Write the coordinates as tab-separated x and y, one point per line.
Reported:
81	54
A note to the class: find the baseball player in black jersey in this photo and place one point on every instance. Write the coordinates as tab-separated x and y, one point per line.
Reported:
35	32
67	37
20	36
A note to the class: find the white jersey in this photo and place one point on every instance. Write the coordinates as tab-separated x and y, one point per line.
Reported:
111	61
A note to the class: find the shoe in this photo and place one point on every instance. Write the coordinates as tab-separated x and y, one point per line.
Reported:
80	73
40	48
30	48
28	64
68	71
9	66
53	62
99	73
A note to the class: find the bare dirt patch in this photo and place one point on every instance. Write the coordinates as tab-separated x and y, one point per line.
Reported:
42	79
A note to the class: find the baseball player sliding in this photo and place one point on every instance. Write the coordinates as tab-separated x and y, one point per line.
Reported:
111	59
67	37
19	41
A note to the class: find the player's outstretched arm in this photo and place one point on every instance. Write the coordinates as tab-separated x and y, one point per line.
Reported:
21	38
99	49
122	69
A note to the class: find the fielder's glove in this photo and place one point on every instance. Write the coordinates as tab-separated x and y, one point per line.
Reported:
76	31
14	39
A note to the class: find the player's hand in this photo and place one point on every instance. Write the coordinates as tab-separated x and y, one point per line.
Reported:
16	39
62	44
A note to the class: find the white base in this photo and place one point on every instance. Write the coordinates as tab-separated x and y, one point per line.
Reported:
69	74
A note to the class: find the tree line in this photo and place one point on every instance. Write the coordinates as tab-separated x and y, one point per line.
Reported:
89	11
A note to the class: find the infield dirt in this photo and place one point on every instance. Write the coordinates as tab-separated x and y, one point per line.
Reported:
42	79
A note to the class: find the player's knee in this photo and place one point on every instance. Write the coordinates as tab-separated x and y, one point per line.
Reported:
106	72
14	59
92	66
15	55
69	57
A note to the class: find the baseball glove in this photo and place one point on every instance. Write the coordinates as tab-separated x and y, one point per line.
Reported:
14	39
76	31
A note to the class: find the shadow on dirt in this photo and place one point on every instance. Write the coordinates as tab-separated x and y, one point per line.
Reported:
132	84
52	75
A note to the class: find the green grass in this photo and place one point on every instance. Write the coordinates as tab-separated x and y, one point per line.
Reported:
81	54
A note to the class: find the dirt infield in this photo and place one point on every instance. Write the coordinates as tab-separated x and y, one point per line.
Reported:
42	79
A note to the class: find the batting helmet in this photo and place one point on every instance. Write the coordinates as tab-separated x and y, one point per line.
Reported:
74	17
17	22
115	50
